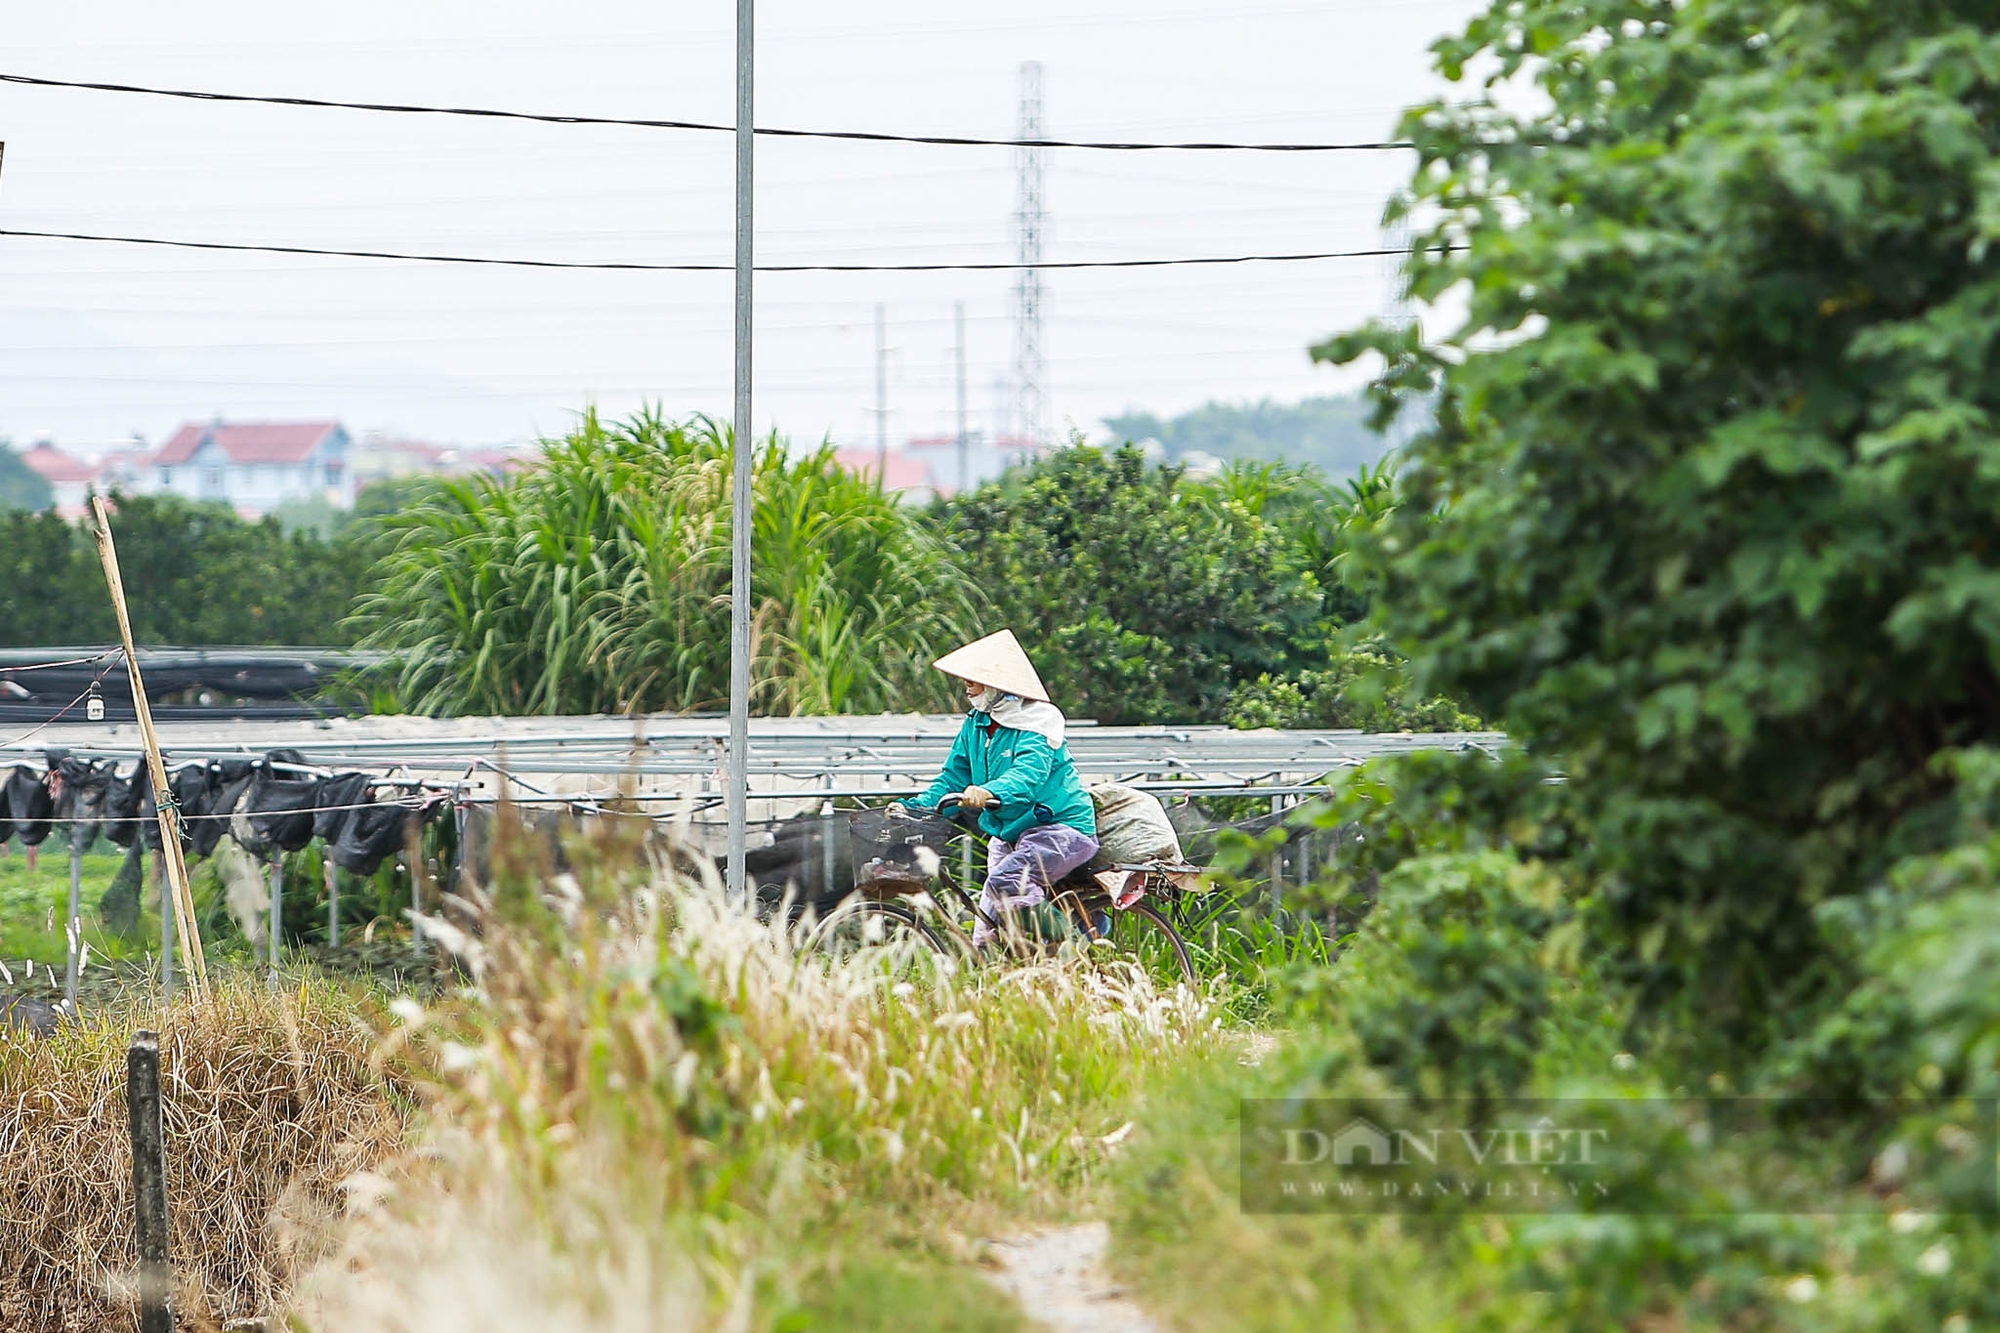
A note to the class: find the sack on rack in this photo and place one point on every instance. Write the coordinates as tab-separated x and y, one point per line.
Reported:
1132	827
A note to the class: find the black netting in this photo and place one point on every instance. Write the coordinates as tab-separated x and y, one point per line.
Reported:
281	812
274	813
129	813
372	835
31	805
335	793
82	790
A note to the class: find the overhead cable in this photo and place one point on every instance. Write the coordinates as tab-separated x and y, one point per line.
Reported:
7	670
60	713
642	267
546	118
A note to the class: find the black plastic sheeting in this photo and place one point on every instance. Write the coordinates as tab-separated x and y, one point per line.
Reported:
199	682
789	857
269	805
80	789
30	803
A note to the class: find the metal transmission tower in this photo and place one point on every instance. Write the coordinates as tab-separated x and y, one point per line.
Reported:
1031	403
1399	312
1396	239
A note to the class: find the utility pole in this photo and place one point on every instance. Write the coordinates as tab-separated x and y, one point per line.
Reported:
1031	404
881	395
739	559
964	445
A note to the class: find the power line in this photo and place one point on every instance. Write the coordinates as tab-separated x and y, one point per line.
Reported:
638	266
546	118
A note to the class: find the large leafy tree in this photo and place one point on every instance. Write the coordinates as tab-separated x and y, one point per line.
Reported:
1716	462
194	574
21	487
1143	597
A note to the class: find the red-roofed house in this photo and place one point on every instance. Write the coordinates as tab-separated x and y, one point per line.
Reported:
67	475
257	465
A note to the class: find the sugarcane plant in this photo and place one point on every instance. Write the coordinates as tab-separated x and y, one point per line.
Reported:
597	581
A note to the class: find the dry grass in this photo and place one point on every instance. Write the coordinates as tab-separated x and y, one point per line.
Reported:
270	1102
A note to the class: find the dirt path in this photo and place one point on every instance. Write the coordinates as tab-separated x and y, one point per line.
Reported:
1059	1279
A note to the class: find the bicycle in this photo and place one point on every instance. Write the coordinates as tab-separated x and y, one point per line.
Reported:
906	897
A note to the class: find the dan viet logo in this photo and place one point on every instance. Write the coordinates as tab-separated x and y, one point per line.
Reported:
1333	1156
1364	1143
1608	1155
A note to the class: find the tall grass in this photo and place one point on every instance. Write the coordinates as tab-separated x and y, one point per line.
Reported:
644	1109
656	1112
599	582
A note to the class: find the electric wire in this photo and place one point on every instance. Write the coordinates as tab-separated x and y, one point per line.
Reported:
644	267
8	670
547	118
60	713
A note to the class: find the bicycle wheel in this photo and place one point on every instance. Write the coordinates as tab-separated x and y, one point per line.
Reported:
1138	932
887	932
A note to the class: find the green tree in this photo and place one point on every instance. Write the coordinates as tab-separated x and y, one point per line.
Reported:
599	582
21	487
1142	596
195	574
1711	515
46	596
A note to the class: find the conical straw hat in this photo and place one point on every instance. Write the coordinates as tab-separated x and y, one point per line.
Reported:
997	660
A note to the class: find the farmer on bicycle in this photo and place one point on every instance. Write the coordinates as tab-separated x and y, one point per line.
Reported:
1010	765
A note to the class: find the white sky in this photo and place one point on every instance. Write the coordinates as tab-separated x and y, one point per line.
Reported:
97	342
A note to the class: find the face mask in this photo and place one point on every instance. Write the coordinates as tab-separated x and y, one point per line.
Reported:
985	699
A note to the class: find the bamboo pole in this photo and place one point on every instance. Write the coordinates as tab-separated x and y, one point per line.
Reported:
192	954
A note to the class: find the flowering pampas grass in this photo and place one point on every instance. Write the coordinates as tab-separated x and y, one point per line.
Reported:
654	1101
644	1108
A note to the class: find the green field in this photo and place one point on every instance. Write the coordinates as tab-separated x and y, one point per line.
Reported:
34	903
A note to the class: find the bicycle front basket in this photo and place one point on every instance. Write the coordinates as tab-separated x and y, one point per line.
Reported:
904	848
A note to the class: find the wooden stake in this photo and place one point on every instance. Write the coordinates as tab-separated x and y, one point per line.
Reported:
149	1183
277	912
192	954
73	928
332	899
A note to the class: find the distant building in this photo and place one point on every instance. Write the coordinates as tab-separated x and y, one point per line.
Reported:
67	475
377	457
257	466
928	467
909	477
127	470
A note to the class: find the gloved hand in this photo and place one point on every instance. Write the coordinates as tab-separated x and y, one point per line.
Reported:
976	798
898	809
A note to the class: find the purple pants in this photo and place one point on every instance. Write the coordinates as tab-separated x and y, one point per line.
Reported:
1020	873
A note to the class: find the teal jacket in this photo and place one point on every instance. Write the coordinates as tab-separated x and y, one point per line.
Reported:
1035	782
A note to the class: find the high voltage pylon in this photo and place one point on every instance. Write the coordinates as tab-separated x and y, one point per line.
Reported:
1031	403
1396	241
1400	312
